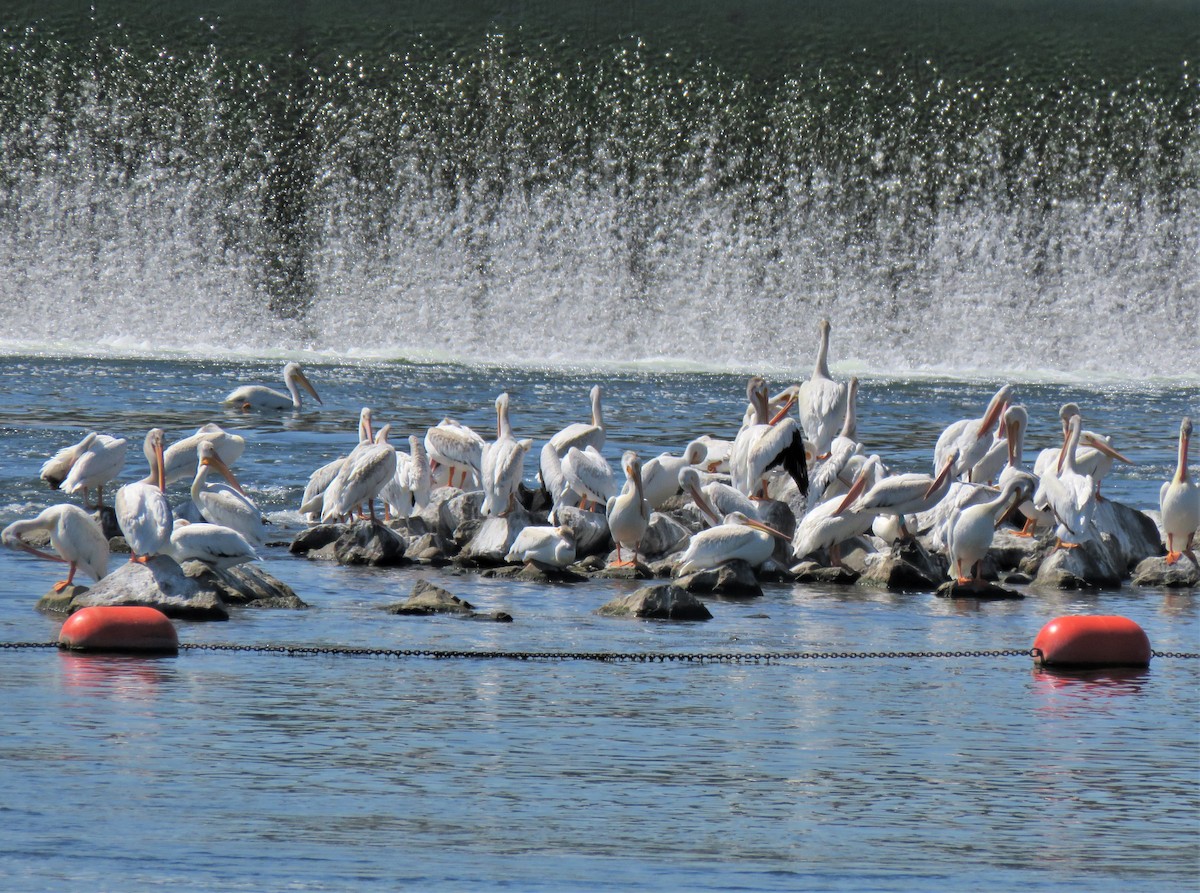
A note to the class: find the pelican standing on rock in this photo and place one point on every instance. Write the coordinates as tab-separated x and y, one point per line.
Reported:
821	401
827	525
74	535
738	537
762	445
361	477
552	546
1179	501
899	494
503	464
588	473
408	491
970	439
971	530
455	446
142	510
715	499
628	513
226	505
258	397
1071	494
582	434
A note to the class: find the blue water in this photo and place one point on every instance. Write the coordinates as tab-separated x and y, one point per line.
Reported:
220	771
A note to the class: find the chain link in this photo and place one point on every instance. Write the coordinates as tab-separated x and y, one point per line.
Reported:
600	656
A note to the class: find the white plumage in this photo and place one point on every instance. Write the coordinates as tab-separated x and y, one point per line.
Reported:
553	546
456	447
225	504
969	439
628	513
503	464
582	435
142	510
821	401
588	473
74	535
1070	494
408	491
213	544
361	478
971	530
258	397
660	475
737	537
99	461
181	457
1179	501
761	446
824	527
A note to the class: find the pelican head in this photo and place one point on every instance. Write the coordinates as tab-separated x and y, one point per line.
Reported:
209	459
746	521
293	375
1096	442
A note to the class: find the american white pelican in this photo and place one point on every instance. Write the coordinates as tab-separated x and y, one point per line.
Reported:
1097	456
553	546
143	513
226	505
971	530
1179	501
361	478
180	457
99	461
970	439
762	446
581	435
213	544
313	501
737	537
824	527
821	401
257	397
660	475
554	482
715	499
455	446
712	454
588	473
628	513
74	535
57	467
899	494
1050	457
1016	422
1071	494
503	464
408	491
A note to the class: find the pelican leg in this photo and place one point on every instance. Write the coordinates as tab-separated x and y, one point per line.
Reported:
139	559
835	555
1028	530
100	497
1059	544
63	584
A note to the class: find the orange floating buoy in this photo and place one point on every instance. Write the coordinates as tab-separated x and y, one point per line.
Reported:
119	628
1096	640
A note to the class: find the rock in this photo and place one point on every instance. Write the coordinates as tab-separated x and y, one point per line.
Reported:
935	566
1091	565
779	515
427	598
534	572
983	591
735	578
1183	574
663	602
811	572
118	545
591	530
535	501
159	583
495	537
638	571
663	535
857	554
316	537
1135	535
59	602
1010	552
245	585
370	544
887	570
106	517
459	509
410	528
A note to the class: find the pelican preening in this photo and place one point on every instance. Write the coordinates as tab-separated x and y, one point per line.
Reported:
74	535
181	457
900	494
408	491
87	465
829	524
551	546
258	397
762	446
971	530
142	510
361	478
1071	494
457	448
588	473
225	504
582	435
1179	501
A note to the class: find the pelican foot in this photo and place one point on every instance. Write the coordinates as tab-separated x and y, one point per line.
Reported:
1025	534
1173	557
60	585
965	581
139	559
1059	544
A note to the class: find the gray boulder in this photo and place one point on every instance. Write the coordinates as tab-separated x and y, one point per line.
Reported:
663	602
591	530
495	537
316	537
1183	574
428	599
663	535
1089	566
367	543
735	579
1135	534
159	583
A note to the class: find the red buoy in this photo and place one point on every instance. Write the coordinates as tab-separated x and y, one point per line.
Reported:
119	628
1083	640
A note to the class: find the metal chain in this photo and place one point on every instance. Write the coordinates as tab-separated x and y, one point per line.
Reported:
601	656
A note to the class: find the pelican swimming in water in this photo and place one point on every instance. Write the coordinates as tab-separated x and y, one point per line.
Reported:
361	478
762	446
181	457
588	473
970	439
103	458
628	513
258	397
99	461
551	546
821	401
74	535
142	510
503	465
225	504
737	537
1179	501
213	544
456	447
582	435
971	529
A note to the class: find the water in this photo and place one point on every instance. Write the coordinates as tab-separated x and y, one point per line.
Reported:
429	207
231	771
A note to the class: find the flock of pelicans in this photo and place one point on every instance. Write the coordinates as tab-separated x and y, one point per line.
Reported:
808	459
